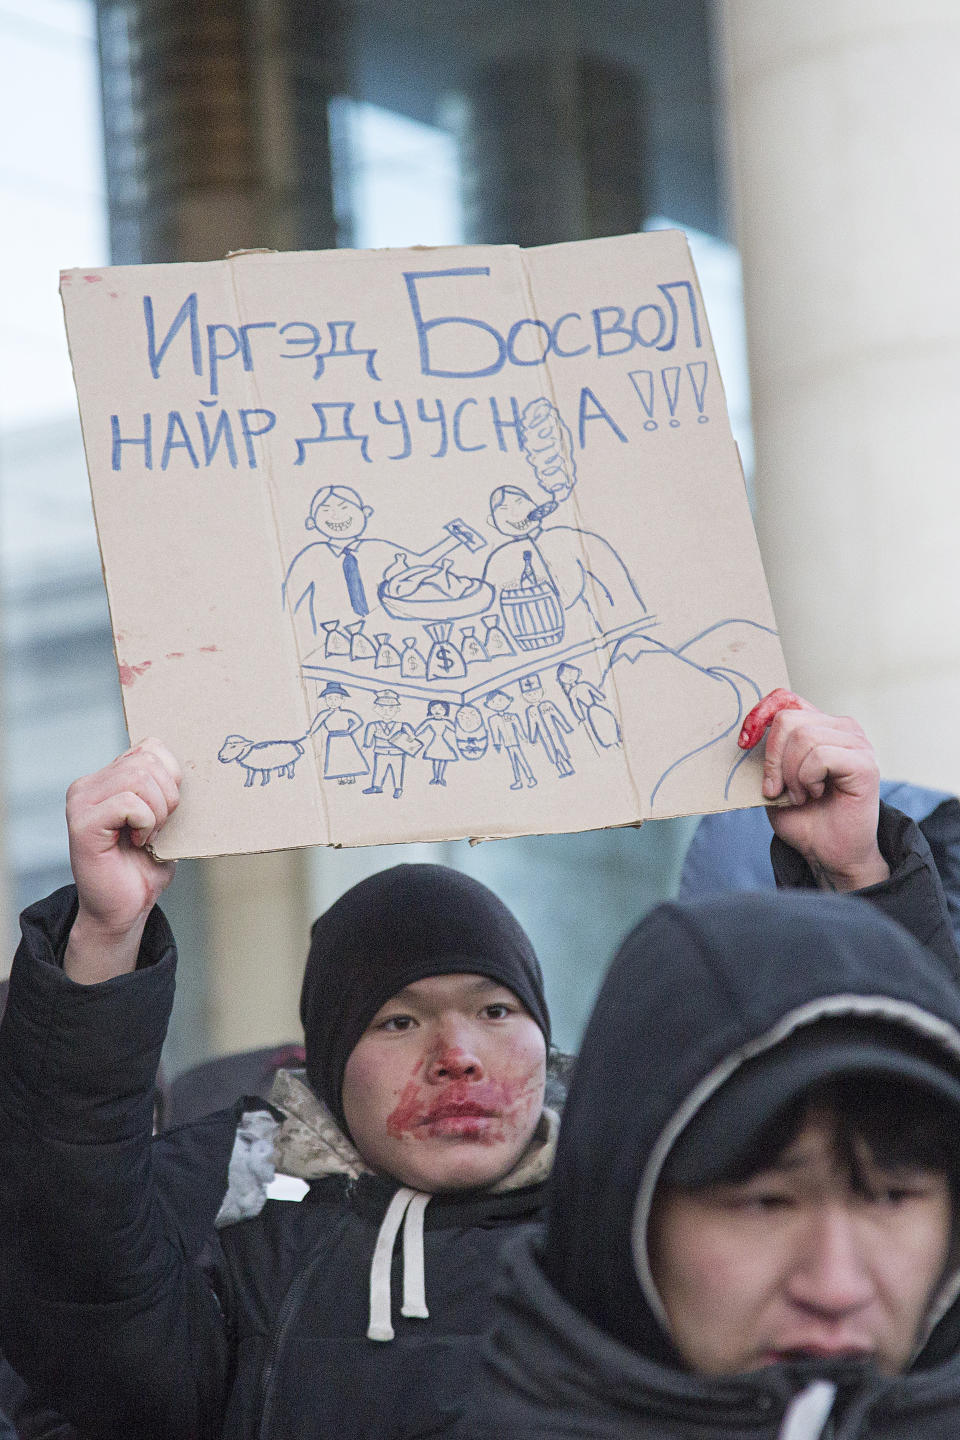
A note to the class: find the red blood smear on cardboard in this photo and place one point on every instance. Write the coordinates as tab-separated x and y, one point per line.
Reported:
93	279
129	673
763	714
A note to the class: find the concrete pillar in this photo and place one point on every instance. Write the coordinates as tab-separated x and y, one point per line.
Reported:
215	118
844	126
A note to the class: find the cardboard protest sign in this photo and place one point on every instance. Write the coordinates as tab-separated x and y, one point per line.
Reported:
423	544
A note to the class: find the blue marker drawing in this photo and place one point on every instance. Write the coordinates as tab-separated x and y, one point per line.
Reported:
458	626
342	348
644	383
546	726
670	375
470	733
346	563
633	649
547	446
438	736
589	706
698	371
391	740
506	733
472	648
576	567
261	757
343	759
342	561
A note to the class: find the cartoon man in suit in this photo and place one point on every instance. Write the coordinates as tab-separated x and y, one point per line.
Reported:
342	565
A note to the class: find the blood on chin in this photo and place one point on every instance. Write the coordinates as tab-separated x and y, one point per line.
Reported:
470	1129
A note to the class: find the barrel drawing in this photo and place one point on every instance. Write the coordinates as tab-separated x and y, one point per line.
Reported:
532	611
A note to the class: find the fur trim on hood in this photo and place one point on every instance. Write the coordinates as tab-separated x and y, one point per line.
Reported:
308	1144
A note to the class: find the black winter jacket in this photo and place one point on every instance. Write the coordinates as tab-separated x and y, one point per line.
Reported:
122	1303
577	1351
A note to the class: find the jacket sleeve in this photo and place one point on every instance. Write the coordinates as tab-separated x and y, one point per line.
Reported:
913	894
103	1308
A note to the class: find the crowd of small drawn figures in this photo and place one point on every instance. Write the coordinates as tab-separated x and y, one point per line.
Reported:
379	749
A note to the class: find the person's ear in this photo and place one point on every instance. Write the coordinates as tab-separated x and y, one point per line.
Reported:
310	523
367	510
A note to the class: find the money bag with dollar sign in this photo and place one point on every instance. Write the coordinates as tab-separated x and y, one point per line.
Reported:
444	662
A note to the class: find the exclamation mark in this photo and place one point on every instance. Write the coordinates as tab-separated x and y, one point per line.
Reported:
697	370
670	376
643	384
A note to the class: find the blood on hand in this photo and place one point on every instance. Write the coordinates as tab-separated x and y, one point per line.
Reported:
763	714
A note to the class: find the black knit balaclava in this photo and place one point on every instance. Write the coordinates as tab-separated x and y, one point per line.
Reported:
389	930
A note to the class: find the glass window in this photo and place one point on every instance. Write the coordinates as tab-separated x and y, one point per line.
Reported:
61	699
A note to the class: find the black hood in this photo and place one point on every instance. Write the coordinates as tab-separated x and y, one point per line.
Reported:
696	990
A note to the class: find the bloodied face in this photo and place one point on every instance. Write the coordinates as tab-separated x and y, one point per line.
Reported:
444	1088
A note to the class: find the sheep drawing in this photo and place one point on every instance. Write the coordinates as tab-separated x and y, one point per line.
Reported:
262	757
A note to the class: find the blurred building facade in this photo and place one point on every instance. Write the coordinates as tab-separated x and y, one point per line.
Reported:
309	123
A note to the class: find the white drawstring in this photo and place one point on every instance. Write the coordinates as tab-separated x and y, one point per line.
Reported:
414	1279
808	1412
409	1203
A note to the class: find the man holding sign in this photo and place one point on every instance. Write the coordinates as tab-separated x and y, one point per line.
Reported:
180	1310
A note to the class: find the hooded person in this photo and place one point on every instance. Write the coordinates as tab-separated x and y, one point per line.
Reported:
417	1139
417	1136
753	1218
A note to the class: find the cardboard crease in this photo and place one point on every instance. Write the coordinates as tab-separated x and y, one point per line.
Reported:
320	797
